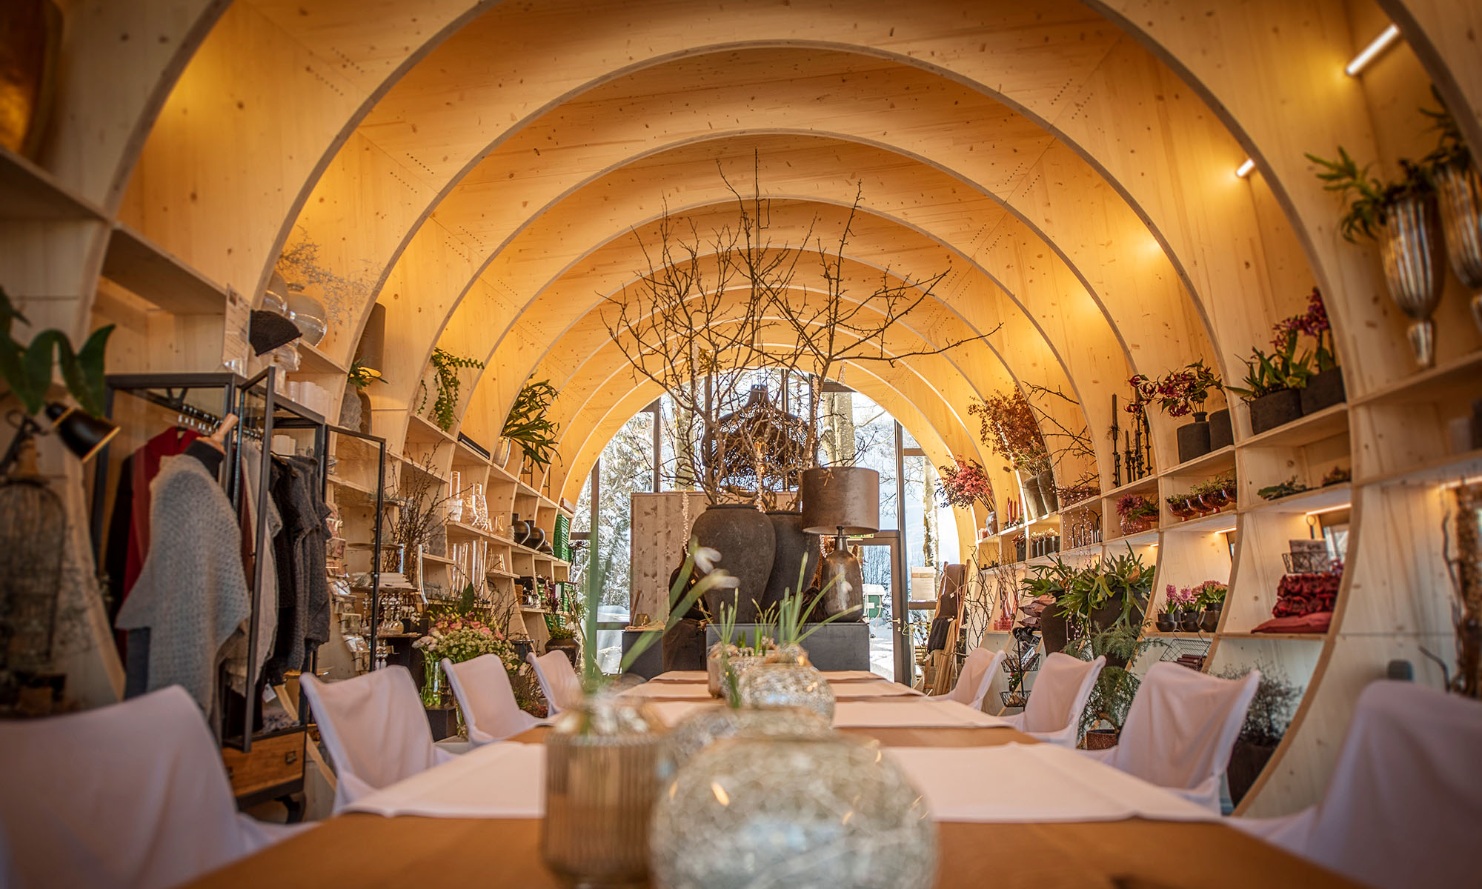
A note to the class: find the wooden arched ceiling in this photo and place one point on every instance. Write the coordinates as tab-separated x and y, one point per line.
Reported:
456	174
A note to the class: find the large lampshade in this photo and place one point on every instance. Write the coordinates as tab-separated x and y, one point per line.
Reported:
83	435
841	497
371	350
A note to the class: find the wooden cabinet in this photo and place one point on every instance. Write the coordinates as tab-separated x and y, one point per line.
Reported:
273	768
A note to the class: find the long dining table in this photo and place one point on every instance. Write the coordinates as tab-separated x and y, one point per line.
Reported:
371	850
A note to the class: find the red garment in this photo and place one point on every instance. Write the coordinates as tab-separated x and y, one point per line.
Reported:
1316	622
146	465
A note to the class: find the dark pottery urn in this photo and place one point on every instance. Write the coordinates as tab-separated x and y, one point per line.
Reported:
1052	628
1188	621
743	536
1221	431
1047	492
1165	623
519	530
567	646
1323	390
1211	620
796	550
1194	438
1247	761
1274	409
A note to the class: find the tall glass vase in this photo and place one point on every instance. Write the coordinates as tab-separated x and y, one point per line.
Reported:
1411	251
602	778
432	680
1461	215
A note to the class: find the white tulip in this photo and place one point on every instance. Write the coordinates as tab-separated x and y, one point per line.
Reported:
705	558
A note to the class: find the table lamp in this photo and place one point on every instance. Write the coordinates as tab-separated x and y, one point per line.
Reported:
841	500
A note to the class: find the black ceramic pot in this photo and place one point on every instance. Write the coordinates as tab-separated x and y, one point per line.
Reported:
1210	621
1274	409
536	538
1165	623
568	647
743	536
519	530
795	550
1193	439
1052	629
1188	621
1323	390
1247	760
1221	432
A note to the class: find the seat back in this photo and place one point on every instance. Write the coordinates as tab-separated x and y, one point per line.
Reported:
1060	693
133	794
374	727
1405	798
1181	727
977	674
558	680
487	699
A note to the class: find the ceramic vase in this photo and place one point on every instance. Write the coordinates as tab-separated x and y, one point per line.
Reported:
1461	216
795	553
746	542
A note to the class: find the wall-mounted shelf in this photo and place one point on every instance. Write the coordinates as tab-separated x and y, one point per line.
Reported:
158	276
29	192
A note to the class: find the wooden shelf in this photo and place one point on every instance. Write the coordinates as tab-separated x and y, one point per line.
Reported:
414	466
1441	469
1180	634
1302	637
1208	524
471	531
1315	500
1326	423
341	482
495	572
423	431
1141	486
1141	538
158	276
1436	384
441	560
1208	464
313	361
29	192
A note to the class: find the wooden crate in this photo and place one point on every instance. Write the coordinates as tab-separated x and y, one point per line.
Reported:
276	763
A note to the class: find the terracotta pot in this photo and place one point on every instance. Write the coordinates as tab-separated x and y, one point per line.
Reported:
1323	391
1193	439
1102	738
743	536
1274	409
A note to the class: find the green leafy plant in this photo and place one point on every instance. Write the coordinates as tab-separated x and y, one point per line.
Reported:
527	425
362	375
27	369
556	628
1122	580
1282	369
1179	392
1366	199
1271	709
446	365
1281	489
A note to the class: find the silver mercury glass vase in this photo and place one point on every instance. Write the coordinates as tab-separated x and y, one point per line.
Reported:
1461	217
1412	255
787	679
602	777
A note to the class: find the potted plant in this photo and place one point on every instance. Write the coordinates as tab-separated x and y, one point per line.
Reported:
1180	393
1404	217
527	425
1137	513
1116	686
1266	722
1281	489
1271	383
445	366
1052	580
355	406
1324	388
562	638
1209	599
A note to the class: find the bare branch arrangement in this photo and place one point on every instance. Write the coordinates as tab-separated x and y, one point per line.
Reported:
419	499
699	320
1071	451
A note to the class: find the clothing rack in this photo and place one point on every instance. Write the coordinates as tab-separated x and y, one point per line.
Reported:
257	419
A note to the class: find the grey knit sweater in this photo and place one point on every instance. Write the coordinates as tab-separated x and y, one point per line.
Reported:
191	593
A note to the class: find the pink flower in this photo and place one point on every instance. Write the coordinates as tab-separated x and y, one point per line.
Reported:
485	631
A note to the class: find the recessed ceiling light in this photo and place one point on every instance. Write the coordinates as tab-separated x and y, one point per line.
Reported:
1376	46
1244	169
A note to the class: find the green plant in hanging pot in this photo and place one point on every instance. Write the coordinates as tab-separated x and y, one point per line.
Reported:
527	425
445	366
1403	216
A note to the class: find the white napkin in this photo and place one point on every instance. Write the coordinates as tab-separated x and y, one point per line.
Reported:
503	780
1033	783
924	713
669	690
682	676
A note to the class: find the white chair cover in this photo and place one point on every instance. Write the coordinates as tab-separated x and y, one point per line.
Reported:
977	674
487	699
129	795
1405	799
1061	690
375	729
558	680
1180	730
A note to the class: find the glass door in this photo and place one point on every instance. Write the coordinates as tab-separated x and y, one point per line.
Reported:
885	600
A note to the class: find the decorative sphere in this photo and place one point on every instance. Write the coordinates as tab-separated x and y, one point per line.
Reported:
787	685
792	813
709	725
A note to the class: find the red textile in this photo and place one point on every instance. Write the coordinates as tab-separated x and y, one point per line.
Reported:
1316	622
146	465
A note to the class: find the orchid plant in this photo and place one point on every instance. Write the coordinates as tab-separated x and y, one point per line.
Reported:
1178	392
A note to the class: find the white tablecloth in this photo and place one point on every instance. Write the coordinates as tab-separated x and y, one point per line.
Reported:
697	690
682	676
1033	782
922	713
843	691
504	780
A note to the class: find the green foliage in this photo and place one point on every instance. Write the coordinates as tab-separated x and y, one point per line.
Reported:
527	425
1272	707
1122	580
447	365
1281	489
1282	369
361	375
27	369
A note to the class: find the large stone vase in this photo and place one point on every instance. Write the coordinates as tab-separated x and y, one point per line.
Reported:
797	552
1414	260
743	536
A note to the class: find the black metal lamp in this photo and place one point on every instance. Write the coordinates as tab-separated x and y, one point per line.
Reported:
81	433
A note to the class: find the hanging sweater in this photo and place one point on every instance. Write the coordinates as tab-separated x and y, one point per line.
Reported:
191	594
